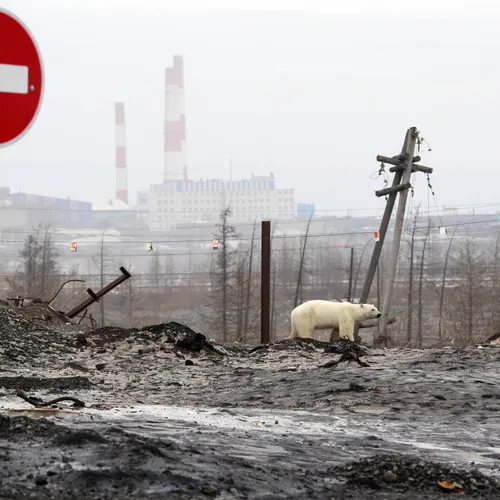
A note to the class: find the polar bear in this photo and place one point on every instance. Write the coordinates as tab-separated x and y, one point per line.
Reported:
325	315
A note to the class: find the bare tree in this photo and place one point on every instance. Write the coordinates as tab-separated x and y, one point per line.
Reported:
420	286
37	274
358	270
273	303
495	315
220	273
467	300
298	290
410	282
249	286
443	285
155	270
99	261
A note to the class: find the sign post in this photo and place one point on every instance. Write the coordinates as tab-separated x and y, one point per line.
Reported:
21	79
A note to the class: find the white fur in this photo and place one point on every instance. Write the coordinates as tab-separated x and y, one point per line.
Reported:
339	317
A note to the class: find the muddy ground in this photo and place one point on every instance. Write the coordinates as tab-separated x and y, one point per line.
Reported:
172	415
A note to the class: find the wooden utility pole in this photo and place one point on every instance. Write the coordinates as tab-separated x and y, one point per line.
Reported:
411	142
403	166
265	282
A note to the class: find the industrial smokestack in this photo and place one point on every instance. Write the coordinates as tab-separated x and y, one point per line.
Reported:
121	154
175	168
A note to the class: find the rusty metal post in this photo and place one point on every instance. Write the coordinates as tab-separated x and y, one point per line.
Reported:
265	283
94	297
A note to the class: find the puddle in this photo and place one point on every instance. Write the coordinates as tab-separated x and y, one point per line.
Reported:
38	412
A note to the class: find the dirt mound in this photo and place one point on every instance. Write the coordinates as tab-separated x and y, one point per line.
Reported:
43	315
108	335
37	383
305	344
404	474
22	340
175	333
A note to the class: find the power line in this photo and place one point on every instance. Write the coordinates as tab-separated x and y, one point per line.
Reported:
257	238
234	211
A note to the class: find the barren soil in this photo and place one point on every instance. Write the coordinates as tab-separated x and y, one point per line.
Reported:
163	421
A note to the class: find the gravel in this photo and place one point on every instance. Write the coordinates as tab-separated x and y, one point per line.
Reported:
24	341
407	474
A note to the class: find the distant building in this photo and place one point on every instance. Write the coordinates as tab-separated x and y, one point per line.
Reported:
305	210
23	210
450	210
187	201
113	212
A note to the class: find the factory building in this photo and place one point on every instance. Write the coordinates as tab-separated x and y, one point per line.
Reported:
24	210
201	201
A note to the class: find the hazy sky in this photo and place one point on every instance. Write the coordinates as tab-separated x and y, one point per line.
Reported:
312	96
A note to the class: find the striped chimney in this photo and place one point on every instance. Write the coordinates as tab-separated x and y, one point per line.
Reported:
175	168
121	154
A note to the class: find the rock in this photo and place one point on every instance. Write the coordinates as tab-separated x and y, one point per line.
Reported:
389	477
209	490
409	474
41	481
81	340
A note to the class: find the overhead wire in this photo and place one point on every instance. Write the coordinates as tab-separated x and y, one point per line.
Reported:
258	238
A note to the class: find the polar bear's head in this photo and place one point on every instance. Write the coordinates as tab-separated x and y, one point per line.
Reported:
368	311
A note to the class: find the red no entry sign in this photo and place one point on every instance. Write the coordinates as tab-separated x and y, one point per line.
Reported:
21	79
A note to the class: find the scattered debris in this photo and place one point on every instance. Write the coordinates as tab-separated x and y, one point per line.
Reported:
347	357
449	485
39	403
336	347
493	339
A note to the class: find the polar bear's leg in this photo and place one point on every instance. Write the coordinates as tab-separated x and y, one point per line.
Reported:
302	324
307	333
307	325
334	334
346	328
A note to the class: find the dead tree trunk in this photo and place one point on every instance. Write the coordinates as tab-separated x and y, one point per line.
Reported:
249	287
101	266
410	284
241	296
420	288
273	299
360	263
494	285
443	285
301	266
224	285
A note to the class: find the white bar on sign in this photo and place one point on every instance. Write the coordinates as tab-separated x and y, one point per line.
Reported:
13	79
